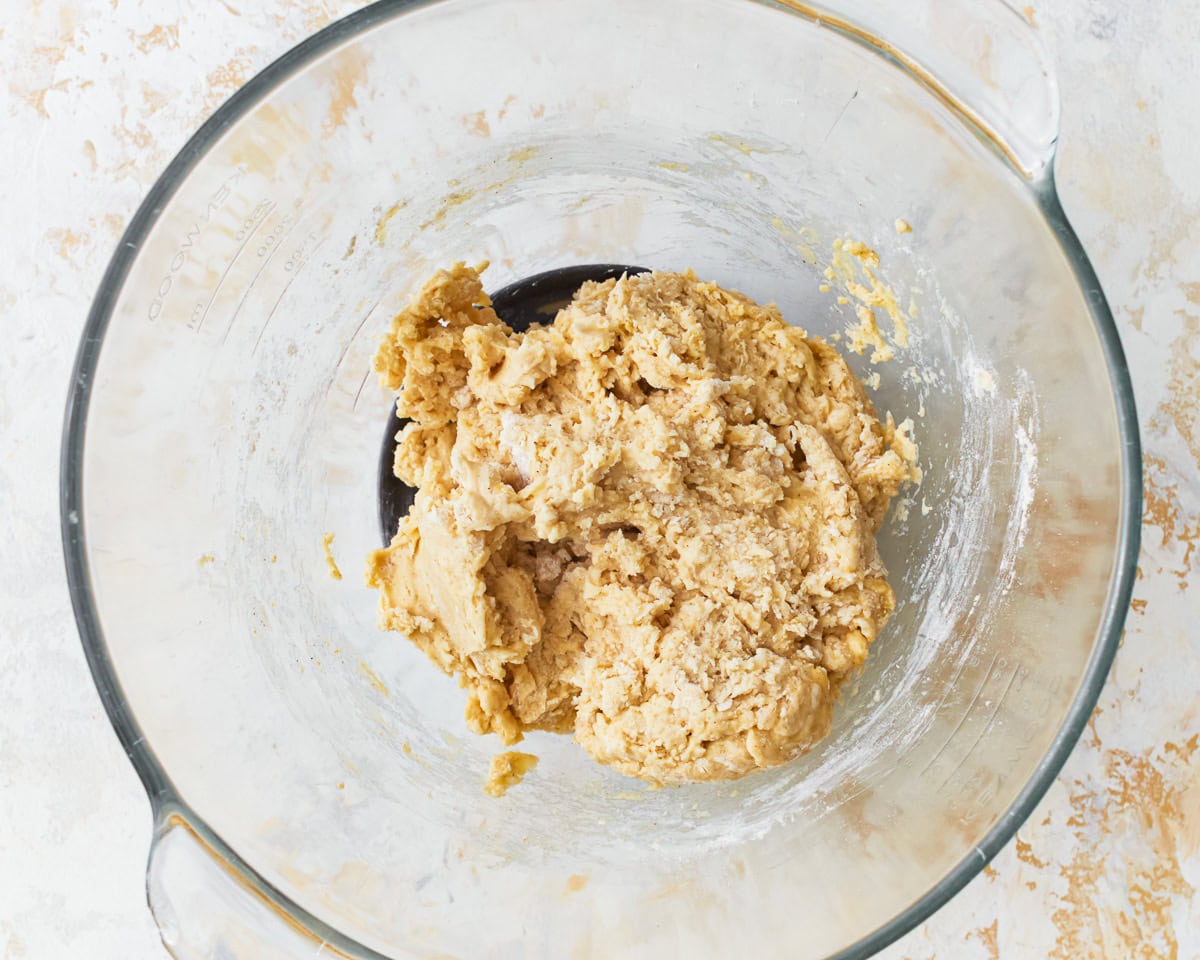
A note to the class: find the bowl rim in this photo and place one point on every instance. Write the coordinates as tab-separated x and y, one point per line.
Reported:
166	802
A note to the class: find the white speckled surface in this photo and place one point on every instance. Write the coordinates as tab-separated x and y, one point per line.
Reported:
96	97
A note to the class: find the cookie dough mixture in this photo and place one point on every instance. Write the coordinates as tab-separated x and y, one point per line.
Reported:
650	523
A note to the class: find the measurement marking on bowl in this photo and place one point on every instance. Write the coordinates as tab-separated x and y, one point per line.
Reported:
950	687
293	266
361	387
986	727
966	714
271	313
350	342
841	114
276	244
262	218
191	237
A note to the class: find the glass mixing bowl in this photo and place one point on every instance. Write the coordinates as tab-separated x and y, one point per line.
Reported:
314	789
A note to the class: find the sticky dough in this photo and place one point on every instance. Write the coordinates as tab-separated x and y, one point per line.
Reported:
650	524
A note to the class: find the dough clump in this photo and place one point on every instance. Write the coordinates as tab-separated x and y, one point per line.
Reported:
650	524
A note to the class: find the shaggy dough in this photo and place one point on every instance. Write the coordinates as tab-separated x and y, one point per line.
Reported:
650	523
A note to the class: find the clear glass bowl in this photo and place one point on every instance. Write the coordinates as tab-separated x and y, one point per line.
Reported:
313	785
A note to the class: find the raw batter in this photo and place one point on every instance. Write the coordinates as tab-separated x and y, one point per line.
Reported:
651	523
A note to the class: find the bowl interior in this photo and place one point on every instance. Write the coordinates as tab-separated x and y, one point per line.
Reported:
233	423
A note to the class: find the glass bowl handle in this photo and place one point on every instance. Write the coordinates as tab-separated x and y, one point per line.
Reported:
207	909
984	59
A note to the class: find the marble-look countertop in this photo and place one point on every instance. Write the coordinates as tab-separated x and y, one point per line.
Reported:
95	98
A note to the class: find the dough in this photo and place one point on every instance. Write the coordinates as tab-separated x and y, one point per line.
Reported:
507	770
650	524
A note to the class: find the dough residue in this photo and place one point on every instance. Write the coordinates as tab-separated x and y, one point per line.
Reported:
507	770
650	524
856	267
330	563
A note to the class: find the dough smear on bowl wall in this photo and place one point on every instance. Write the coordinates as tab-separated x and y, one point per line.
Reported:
650	524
